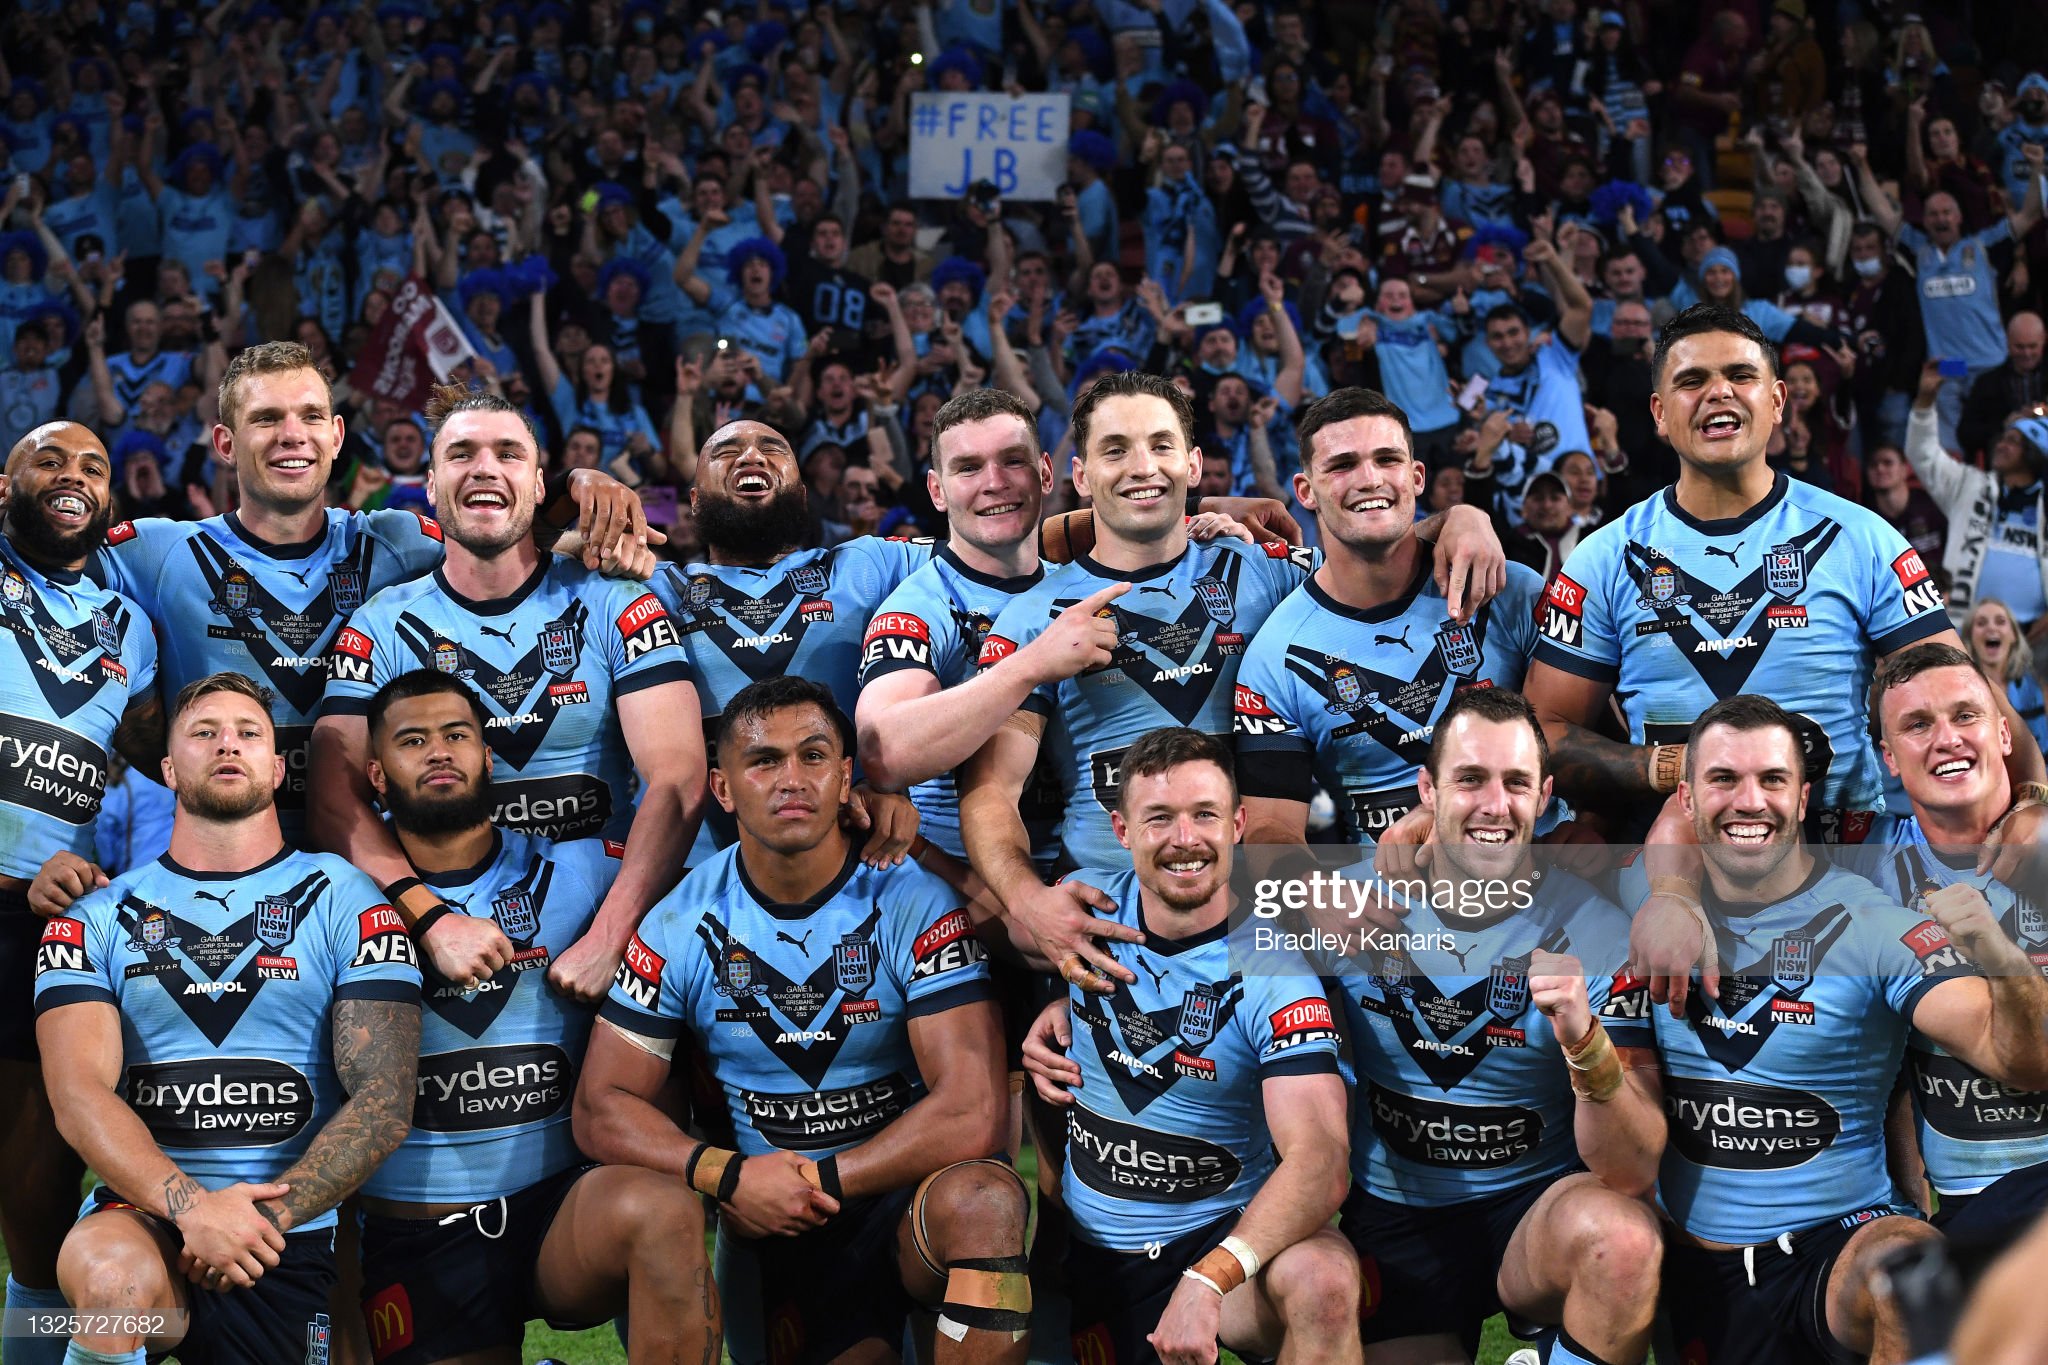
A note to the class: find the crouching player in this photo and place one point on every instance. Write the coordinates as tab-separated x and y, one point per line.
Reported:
1205	1143
847	1013
229	1036
488	1216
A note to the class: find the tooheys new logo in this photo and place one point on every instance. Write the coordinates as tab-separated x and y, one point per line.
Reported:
821	1119
1252	714
492	1087
639	974
63	947
1960	1102
645	626
1919	591
1125	1161
1473	1137
220	1101
1564	611
1735	1125
895	639
381	938
948	945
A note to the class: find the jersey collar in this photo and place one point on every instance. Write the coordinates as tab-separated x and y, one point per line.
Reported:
63	578
164	861
989	580
1160	570
1718	908
1386	611
1169	947
1728	525
496	606
800	909
298	549
463	876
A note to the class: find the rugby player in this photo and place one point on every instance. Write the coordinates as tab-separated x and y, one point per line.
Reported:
487	1216
1480	1182
581	676
229	1037
1342	685
1180	633
1735	579
847	1013
274	581
77	679
1775	1092
1982	1147
1205	1149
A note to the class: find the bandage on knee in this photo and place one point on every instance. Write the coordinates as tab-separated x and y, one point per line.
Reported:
991	1294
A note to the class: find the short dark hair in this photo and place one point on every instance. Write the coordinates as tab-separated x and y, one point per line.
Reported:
1908	664
1130	384
1701	319
1163	750
422	682
1504	312
239	684
1744	714
449	400
756	701
977	405
1341	405
583	429
1499	704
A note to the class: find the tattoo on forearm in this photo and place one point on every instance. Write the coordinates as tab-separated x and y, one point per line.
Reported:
181	1192
1597	771
376	1056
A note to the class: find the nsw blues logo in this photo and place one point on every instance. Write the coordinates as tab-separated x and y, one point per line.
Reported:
810	580
1507	987
1458	646
853	963
347	587
1198	1010
560	645
1785	570
152	932
105	632
515	914
1215	598
2031	921
1792	962
274	921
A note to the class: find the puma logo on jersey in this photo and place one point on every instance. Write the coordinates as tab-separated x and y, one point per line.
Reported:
1728	555
1401	639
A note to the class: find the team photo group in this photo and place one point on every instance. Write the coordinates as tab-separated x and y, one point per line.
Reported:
1066	681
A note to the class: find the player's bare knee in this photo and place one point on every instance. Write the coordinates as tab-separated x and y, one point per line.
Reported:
976	1209
660	1217
1315	1284
101	1266
1614	1240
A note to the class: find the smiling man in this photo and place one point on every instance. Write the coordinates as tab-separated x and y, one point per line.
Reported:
1733	580
582	680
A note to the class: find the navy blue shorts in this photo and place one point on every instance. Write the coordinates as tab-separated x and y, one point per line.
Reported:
1119	1296
1434	1269
1982	1226
827	1290
432	1290
21	929
1766	1307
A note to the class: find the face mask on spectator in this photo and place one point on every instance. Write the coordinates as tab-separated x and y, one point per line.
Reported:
1870	267
1798	276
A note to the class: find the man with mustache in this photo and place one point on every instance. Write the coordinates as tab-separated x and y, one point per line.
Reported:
580	676
1775	1090
77	679
230	1036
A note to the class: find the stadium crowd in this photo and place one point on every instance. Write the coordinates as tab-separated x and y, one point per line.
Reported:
770	734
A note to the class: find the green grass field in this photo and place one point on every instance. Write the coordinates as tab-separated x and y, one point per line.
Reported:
600	1346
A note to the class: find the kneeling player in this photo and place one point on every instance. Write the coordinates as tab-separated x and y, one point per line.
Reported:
229	1037
488	1216
1205	1148
846	1011
1472	1194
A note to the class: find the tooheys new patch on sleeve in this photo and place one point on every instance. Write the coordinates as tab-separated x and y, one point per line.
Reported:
227	987
804	1019
73	657
1346	698
895	639
1777	1091
548	664
1181	630
1168	1131
1803	591
269	612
